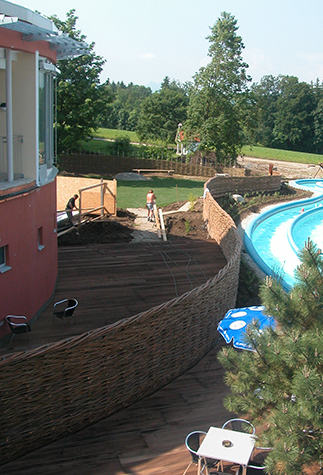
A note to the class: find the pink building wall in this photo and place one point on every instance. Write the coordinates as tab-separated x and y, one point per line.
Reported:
13	40
30	283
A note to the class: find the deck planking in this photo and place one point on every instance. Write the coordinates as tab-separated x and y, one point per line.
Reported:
112	282
116	281
144	439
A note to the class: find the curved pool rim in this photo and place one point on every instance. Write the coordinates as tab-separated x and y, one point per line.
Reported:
316	199
298	221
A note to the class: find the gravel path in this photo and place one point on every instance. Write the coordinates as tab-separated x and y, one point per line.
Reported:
288	170
144	230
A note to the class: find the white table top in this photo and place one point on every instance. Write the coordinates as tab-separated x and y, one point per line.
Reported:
239	453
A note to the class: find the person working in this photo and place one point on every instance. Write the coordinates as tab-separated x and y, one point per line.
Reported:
150	205
69	209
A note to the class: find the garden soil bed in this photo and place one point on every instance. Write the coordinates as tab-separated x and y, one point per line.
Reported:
186	224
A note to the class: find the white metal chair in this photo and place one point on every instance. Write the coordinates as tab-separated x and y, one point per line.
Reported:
253	470
239	425
17	324
65	309
193	442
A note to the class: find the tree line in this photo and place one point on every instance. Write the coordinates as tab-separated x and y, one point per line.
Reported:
220	109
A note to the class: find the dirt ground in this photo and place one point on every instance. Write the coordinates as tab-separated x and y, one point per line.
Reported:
116	229
187	224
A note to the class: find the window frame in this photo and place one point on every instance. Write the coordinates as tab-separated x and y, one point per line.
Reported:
40	239
4	265
47	109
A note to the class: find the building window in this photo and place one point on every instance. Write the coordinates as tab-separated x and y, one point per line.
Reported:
47	74
4	259
40	241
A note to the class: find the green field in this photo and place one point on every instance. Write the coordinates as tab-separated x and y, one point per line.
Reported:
113	134
248	151
282	155
132	194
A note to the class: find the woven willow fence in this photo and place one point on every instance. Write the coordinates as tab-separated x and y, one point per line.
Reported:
82	164
61	388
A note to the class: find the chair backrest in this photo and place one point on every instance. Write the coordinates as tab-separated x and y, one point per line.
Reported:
71	305
17	323
193	442
252	470
239	425
256	470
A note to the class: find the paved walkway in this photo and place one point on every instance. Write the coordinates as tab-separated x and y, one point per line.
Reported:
146	231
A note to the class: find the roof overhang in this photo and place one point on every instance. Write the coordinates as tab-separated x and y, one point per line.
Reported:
64	46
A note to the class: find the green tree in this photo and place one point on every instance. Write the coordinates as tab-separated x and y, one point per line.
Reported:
289	114
218	98
80	98
318	117
124	105
294	127
162	111
266	95
280	383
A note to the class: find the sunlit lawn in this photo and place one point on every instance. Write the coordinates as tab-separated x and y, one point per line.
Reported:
113	134
248	151
132	194
283	155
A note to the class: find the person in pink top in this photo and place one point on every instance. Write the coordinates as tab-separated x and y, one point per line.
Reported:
150	205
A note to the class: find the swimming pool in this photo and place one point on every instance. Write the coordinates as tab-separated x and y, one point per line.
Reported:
274	238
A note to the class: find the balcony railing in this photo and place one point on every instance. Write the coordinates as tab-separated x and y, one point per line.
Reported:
17	158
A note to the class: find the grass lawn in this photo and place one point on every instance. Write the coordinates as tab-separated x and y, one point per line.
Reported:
248	151
103	144
282	155
95	146
132	194
113	134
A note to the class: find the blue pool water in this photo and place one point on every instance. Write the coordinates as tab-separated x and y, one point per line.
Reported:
274	238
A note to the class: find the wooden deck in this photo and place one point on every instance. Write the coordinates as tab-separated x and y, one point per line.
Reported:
116	281
112	282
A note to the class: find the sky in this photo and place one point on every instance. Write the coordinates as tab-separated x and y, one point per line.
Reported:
143	41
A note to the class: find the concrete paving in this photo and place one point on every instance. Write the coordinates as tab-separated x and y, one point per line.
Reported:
144	230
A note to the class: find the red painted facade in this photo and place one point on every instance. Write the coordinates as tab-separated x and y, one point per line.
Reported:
13	40
30	282
28	239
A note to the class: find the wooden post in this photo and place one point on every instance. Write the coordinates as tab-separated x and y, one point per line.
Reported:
80	207
157	220
162	224
102	197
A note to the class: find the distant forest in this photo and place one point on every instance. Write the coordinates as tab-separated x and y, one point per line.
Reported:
221	110
283	112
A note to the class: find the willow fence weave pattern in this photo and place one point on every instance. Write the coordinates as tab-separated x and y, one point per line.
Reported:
54	390
220	185
105	165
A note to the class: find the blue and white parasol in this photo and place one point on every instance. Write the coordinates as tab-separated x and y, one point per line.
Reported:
235	322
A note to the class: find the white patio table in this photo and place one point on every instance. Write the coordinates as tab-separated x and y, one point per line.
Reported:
239	452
